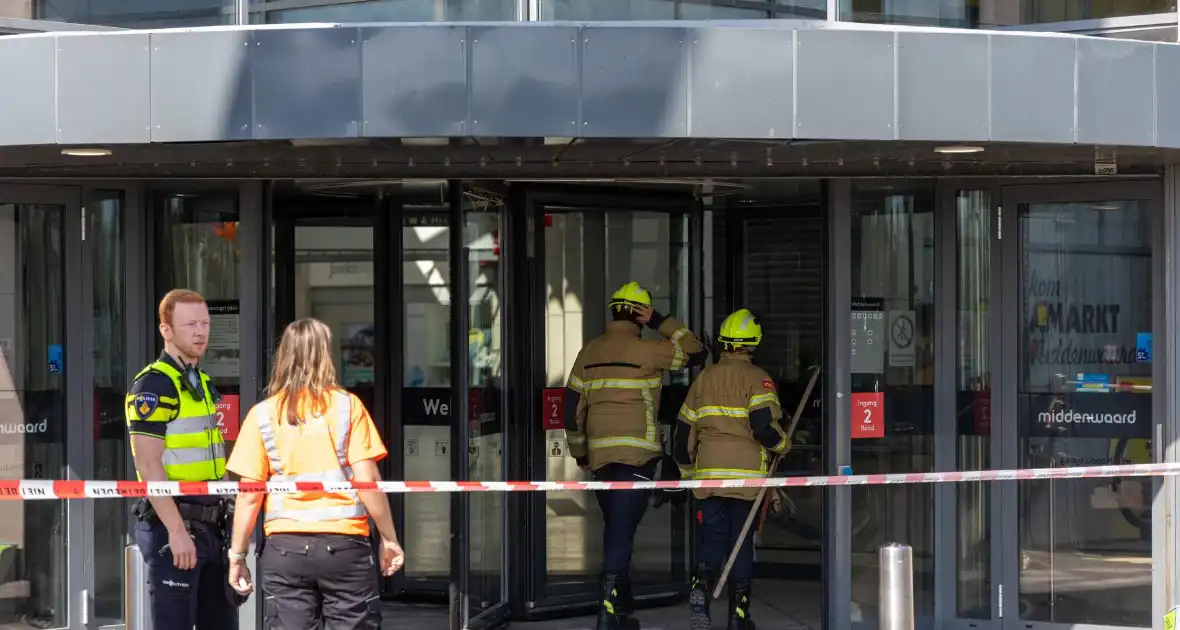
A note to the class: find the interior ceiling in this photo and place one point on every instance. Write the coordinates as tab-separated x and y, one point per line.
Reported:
551	158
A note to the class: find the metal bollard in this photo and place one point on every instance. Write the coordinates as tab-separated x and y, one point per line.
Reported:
896	595
136	607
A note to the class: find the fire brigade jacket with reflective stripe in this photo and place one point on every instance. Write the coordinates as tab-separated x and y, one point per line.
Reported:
728	424
193	447
326	508
613	392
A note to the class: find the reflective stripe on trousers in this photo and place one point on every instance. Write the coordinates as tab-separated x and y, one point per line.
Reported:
344	473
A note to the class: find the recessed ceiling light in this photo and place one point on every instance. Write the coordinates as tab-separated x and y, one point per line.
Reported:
958	148
86	152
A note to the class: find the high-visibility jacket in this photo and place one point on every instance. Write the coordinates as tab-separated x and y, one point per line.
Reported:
616	382
194	449
729	425
325	508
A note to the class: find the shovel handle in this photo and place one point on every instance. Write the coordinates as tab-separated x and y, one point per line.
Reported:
762	492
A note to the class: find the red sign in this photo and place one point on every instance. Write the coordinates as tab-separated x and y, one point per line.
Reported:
228	418
553	409
983	413
868	415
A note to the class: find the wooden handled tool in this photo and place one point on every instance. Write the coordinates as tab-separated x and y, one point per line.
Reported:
762	492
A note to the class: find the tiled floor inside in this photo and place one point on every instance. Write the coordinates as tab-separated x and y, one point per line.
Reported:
779	605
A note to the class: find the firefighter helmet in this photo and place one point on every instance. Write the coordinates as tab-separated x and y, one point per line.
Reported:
740	330
629	296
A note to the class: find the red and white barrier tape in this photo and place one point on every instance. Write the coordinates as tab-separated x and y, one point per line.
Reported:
20	490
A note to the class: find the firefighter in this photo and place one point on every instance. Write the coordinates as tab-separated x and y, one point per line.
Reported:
612	426
727	428
172	421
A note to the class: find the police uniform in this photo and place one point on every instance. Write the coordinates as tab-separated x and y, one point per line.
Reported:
728	428
161	404
612	426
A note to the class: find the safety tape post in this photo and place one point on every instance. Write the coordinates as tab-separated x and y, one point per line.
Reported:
34	489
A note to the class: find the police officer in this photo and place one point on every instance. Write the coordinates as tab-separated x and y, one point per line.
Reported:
727	427
172	421
612	426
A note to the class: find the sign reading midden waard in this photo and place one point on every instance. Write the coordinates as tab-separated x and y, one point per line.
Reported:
1083	307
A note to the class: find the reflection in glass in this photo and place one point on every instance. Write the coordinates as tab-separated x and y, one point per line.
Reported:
198	249
401	11
32	412
782	272
1085	392
993	13
973	403
426	395
623	10
105	233
159	14
485	377
892	379
587	256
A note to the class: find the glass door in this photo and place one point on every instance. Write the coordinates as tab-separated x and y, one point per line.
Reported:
584	246
487	312
43	416
1079	282
777	271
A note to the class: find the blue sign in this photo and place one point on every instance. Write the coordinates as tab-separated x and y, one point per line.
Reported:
1143	347
55	358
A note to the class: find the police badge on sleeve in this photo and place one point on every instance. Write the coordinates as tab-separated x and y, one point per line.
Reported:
145	404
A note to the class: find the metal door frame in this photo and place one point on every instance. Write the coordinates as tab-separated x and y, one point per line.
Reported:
542	599
946	403
1008	384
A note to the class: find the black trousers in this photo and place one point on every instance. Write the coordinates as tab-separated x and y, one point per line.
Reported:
622	511
721	520
196	597
314	581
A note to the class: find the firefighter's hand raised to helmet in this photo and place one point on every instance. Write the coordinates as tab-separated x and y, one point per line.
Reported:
643	313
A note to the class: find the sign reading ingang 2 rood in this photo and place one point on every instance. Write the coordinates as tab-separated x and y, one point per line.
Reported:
1087	415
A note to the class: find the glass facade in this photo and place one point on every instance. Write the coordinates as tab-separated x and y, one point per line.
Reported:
892	371
126	13
400	11
1098	17
1085	399
995	13
1044	312
34	424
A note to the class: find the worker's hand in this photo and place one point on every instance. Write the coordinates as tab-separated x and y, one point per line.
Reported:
184	550
392	557
643	314
239	577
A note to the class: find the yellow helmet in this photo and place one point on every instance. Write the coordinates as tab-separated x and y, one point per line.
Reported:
629	296
740	330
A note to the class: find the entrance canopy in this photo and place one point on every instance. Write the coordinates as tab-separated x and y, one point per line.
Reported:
753	80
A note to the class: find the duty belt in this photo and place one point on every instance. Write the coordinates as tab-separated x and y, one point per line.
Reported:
207	514
192	512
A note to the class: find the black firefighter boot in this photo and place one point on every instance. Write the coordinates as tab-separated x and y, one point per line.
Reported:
617	604
699	599
739	606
